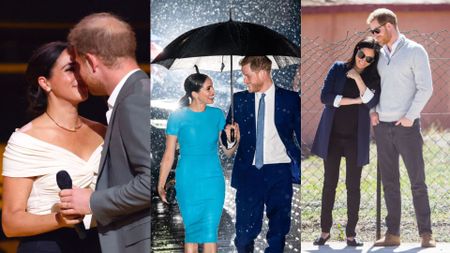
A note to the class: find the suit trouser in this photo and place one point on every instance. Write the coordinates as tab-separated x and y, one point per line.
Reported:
337	148
271	186
407	142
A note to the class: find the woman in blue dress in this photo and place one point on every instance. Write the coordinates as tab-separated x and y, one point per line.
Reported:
200	184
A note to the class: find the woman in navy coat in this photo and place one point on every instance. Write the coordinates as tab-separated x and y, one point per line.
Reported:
350	89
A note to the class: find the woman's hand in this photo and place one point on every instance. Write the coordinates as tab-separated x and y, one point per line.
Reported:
68	220
353	74
166	165
162	193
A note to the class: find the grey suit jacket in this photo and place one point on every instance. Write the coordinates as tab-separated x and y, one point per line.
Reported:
121	201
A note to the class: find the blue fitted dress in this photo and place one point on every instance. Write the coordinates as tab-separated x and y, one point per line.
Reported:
200	183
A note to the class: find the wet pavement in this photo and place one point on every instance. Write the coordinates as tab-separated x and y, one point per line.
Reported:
168	232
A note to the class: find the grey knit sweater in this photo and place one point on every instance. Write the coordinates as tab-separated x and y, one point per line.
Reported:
406	84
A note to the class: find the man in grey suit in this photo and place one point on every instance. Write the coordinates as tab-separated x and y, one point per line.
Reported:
103	48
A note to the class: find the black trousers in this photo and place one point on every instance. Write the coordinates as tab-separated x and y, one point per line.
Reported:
338	148
64	240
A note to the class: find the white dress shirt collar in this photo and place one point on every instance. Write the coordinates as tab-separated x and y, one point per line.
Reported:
113	97
269	92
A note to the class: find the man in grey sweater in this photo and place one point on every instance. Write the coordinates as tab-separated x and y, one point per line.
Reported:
406	87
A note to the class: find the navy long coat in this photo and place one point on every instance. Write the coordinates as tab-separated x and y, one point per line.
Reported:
334	85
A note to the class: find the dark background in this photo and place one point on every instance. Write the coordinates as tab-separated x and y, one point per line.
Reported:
25	25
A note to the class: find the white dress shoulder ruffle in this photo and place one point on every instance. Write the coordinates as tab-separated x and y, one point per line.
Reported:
27	156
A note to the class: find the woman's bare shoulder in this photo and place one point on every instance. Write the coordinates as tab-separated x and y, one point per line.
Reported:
96	126
35	127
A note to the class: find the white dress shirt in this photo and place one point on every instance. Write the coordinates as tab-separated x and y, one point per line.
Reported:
274	149
112	98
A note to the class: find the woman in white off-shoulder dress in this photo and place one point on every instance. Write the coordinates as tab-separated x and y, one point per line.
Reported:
56	139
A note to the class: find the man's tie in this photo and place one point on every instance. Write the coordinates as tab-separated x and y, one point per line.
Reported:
259	153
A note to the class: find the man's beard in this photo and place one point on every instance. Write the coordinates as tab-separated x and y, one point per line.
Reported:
385	39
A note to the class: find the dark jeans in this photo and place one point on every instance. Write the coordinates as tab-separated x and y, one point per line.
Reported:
392	142
63	240
341	148
271	187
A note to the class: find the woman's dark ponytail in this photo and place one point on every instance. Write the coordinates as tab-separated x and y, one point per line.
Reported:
184	100
193	83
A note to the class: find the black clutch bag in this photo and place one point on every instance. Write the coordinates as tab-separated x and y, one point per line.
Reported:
170	191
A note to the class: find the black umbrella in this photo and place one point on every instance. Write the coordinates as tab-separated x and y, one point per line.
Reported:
207	47
220	46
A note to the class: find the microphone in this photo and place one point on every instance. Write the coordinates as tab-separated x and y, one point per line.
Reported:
65	182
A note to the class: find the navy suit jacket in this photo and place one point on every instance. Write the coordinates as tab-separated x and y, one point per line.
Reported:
287	122
334	85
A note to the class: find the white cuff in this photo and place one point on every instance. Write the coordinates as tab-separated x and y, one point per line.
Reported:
87	220
337	101
367	96
230	144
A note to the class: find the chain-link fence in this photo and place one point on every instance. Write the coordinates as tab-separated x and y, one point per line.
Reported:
316	60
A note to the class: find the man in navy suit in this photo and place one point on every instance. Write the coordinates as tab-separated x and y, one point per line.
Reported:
268	156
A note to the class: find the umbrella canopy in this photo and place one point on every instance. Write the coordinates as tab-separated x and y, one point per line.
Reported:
220	46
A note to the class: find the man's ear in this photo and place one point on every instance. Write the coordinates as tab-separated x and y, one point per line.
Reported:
390	26
262	74
44	83
92	61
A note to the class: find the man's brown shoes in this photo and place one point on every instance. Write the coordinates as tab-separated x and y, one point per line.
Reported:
427	240
388	240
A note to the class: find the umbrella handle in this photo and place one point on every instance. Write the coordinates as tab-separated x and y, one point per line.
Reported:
232	135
